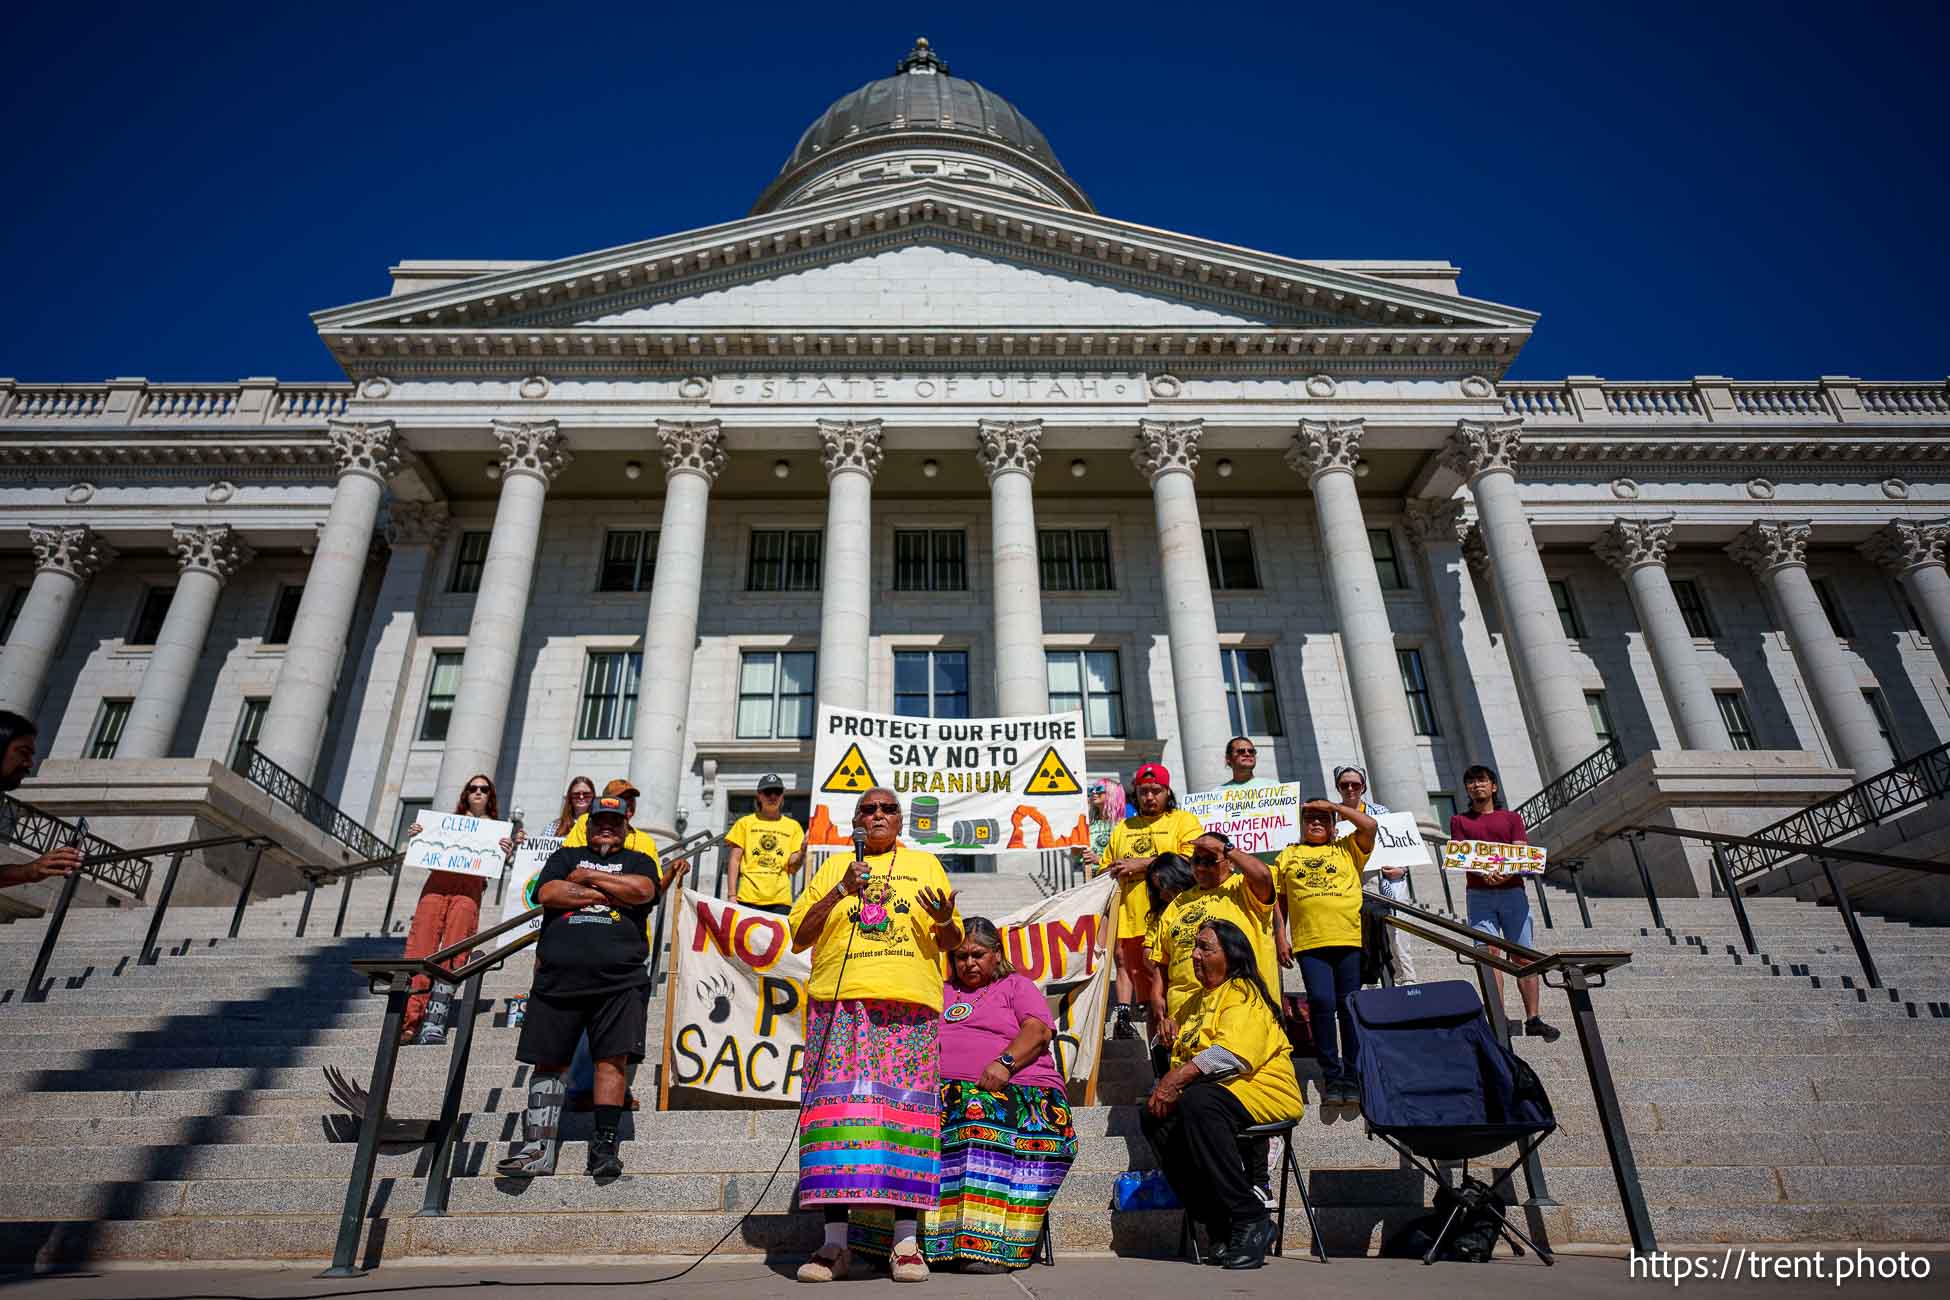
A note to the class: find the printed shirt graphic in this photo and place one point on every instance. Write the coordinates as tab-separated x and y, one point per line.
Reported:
893	953
1176	931
1234	1016
1145	837
599	948
1321	884
636	841
763	880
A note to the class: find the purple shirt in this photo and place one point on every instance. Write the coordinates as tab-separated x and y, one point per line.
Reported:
984	1032
1499	826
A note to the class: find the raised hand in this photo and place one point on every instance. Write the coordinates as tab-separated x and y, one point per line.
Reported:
940	907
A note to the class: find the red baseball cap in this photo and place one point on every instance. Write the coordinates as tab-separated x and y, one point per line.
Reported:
1154	773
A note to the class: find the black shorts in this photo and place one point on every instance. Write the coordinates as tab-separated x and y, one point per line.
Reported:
776	909
554	1025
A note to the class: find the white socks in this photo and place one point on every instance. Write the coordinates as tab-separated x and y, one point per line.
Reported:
907	1232
836	1235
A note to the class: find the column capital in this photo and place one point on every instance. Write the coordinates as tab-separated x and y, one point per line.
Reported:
1478	447
209	548
1165	446
1437	523
1475	551
1320	446
417	523
1633	543
692	447
850	445
1009	446
1904	545
1765	547
537	449
73	549
369	449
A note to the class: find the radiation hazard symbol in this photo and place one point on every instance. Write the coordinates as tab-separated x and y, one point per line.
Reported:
851	775
1052	776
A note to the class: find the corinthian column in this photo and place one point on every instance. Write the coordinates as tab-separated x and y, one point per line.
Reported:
1010	452
531	456
207	556
1167	454
851	451
1325	451
1637	549
1484	452
1912	551
294	725
693	457
65	557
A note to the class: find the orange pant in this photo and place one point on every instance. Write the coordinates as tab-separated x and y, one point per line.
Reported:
448	911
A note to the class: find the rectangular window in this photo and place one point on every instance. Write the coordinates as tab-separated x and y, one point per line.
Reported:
1442	807
410	811
1387	564
149	618
930	559
284	615
249	723
443	683
1831	605
470	558
1251	697
775	695
1880	708
1087	681
1421	705
784	560
1692	606
1594	703
931	683
114	715
1733	713
1229	560
15	599
1075	559
629	560
609	682
1567	612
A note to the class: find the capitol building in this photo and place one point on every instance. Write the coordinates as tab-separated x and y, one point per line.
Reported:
924	432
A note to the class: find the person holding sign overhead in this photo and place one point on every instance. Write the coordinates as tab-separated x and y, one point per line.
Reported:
1497	904
878	922
764	850
1392	882
450	904
1158	826
1320	903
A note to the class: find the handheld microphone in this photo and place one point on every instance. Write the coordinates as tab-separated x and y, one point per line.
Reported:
860	848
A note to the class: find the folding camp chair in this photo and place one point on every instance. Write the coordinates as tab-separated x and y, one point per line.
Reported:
1438	1085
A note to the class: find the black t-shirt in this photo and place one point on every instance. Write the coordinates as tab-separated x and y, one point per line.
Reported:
596	949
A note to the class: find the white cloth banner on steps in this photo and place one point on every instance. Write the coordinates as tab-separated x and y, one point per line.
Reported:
735	1007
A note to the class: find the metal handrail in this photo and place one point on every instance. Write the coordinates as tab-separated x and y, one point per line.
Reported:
1585	776
257	768
1909	783
39	832
316	876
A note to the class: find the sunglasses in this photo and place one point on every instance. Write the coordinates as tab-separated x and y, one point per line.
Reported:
1204	860
583	796
1245	749
889	807
480	789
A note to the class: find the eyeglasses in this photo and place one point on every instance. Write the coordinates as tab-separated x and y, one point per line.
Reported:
480	789
1244	749
582	796
889	807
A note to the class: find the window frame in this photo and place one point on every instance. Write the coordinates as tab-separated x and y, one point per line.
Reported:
932	560
1073	561
788	538
250	724
776	695
1236	690
931	653
1697	614
1393	559
621	714
427	696
643	565
1418	690
1829	596
1879	709
150	592
1122	727
16	602
1215	568
1568	615
110	712
1598	707
465	579
295	593
1732	703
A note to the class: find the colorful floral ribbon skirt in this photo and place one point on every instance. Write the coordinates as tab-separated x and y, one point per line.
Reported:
871	1127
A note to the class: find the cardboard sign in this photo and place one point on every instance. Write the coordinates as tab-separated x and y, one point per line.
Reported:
1260	821
967	785
1493	859
530	858
466	846
1398	842
735	1011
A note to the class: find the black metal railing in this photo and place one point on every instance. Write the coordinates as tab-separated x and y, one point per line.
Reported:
1911	782
260	771
316	876
38	832
1581	780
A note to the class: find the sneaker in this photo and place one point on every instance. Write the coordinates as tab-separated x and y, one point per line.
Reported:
1249	1244
1536	1028
1122	1027
1264	1191
828	1264
604	1161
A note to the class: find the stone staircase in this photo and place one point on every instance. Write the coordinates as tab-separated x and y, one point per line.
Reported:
178	1111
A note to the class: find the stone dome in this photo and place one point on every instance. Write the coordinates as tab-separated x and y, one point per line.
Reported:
921	122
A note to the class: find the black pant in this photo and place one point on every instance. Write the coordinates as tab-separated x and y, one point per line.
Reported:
1331	974
1198	1148
1257	1153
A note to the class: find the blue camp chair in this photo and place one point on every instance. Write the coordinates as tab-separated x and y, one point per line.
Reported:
1439	1086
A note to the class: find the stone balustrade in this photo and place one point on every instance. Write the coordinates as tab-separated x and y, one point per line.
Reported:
1714	399
139	403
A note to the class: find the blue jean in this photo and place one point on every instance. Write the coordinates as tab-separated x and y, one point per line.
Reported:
1503	912
1331	974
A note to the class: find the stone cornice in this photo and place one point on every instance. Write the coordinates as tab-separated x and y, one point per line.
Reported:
1745	448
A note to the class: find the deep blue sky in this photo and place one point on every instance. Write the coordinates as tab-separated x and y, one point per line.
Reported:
1761	192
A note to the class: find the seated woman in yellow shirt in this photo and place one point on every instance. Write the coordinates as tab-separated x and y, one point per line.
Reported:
1320	903
1232	1068
1159	826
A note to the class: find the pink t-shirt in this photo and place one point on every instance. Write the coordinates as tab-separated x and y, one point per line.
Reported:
983	1032
1499	826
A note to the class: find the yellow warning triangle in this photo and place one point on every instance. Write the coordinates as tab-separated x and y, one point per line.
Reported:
1052	777
851	775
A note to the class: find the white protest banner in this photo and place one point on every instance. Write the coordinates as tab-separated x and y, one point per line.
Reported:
1493	859
466	846
1259	820
530	858
967	785
735	1012
1398	842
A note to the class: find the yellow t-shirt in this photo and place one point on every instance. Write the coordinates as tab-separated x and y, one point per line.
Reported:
1145	837
1235	1017
1321	884
637	840
893	954
1171	940
763	880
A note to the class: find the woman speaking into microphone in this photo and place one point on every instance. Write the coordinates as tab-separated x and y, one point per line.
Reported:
878	922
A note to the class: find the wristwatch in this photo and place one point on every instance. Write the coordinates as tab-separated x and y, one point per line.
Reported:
1008	1062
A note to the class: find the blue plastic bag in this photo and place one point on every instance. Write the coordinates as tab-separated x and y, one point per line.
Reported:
1145	1190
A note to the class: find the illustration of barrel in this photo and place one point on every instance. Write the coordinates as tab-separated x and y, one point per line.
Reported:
924	815
977	832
